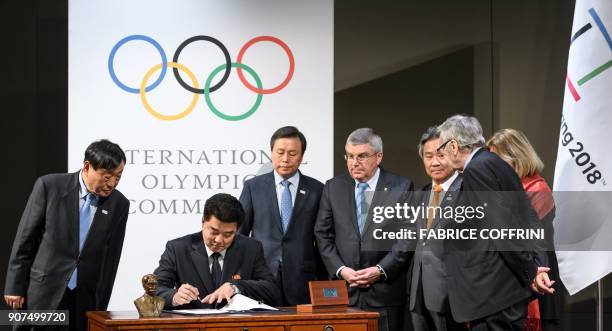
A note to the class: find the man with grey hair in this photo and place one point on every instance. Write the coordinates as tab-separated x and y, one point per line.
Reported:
488	285
377	278
428	285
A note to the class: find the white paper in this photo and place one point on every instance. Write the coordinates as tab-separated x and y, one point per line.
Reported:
239	303
198	311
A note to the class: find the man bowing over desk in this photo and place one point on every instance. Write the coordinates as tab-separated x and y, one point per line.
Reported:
208	267
67	248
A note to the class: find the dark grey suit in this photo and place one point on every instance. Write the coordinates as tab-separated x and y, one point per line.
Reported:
488	283
185	261
296	247
46	247
428	291
340	243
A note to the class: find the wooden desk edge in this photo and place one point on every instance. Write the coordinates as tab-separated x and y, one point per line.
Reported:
106	318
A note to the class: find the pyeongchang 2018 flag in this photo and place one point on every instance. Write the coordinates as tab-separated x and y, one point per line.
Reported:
583	173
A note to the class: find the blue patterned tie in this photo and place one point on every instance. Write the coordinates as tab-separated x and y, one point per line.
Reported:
84	222
286	205
360	203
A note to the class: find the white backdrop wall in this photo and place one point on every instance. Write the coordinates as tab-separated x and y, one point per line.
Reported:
181	146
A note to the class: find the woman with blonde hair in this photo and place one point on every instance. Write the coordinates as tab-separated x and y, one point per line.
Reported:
513	147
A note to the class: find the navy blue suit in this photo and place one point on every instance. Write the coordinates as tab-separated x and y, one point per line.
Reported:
296	247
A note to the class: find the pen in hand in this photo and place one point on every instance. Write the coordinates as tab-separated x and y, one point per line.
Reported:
185	294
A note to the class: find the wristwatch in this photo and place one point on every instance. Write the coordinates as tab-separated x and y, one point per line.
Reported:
235	289
383	275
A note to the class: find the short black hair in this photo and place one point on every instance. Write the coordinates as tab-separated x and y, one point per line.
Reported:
225	207
104	154
288	132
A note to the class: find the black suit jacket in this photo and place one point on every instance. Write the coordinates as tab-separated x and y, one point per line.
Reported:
428	267
340	243
484	278
46	247
185	261
297	246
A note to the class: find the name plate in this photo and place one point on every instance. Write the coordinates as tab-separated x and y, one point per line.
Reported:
330	292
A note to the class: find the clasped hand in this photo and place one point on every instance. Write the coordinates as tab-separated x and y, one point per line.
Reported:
360	278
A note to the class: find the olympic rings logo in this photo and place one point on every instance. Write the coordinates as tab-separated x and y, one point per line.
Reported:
194	87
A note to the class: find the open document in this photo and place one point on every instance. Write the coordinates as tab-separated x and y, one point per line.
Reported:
239	303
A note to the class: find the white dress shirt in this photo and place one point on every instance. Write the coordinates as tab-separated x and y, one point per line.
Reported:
210	258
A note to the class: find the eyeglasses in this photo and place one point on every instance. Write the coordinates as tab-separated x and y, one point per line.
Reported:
441	147
358	158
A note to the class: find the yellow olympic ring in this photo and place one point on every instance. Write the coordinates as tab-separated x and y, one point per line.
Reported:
143	96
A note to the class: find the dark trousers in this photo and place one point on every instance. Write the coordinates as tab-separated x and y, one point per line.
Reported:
76	322
424	319
70	302
279	283
512	318
434	321
391	317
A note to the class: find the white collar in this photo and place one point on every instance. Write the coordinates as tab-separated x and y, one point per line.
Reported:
447	183
294	180
210	252
372	182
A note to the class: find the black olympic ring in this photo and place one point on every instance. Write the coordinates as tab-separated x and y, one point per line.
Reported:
228	63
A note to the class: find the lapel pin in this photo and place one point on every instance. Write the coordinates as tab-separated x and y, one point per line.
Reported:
236	277
104	211
302	192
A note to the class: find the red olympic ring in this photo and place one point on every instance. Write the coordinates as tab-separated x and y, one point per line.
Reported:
289	74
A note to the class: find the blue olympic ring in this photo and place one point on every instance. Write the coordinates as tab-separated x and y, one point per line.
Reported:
111	59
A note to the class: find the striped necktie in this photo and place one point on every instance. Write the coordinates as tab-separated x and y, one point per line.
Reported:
361	205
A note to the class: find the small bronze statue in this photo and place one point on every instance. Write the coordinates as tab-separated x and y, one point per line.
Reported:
149	305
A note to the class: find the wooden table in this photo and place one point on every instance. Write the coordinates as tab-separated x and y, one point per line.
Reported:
288	320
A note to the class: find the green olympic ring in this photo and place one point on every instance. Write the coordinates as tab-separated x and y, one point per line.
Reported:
223	115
